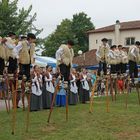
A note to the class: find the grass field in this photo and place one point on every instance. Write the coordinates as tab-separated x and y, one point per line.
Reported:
119	124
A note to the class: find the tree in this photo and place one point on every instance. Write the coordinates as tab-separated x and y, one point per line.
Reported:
80	25
18	21
61	35
74	29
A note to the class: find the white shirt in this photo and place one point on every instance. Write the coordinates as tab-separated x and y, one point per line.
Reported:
73	86
36	90
11	46
133	52
85	85
18	48
49	84
59	53
111	54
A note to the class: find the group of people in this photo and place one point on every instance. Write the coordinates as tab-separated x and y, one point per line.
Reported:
18	55
118	57
16	58
44	83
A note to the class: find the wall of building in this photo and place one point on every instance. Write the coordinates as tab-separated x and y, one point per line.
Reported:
95	38
129	33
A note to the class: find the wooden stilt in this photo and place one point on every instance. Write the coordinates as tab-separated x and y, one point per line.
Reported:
53	100
28	111
14	94
137	89
92	97
127	91
107	97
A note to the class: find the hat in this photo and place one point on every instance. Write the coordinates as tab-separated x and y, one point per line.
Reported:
104	40
31	35
137	43
113	46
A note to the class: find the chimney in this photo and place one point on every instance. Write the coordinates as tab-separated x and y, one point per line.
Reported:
117	32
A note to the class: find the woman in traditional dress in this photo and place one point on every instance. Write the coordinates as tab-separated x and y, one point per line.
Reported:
48	93
73	95
84	88
61	95
36	96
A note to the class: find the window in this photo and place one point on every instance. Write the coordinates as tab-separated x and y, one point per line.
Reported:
130	41
110	42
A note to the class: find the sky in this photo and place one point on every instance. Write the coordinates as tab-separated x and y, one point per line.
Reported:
50	13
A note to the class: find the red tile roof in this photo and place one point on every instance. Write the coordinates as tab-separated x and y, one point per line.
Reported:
90	59
123	26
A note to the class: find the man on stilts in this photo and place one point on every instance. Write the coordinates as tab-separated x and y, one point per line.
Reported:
10	43
64	56
101	56
2	66
133	56
26	56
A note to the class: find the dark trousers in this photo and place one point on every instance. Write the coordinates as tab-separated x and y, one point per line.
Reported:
113	69
118	68
133	69
102	66
12	68
2	65
123	68
24	70
65	71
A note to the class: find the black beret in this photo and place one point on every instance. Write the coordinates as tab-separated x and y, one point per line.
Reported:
104	40
137	43
113	46
31	35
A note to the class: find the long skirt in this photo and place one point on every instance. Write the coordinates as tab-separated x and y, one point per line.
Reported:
73	98
35	102
83	95
61	100
46	98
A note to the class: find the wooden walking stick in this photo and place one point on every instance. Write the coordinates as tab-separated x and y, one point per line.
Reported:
111	86
5	102
53	100
127	91
92	97
23	91
67	90
8	92
115	87
14	94
29	91
137	89
107	97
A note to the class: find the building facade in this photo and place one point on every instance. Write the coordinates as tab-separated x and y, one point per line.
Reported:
125	33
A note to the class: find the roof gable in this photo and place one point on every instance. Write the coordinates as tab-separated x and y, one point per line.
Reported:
123	26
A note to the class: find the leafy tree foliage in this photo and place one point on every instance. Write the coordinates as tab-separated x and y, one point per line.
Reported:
74	29
18	21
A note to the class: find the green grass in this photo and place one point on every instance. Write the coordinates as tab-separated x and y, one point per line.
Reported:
119	124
